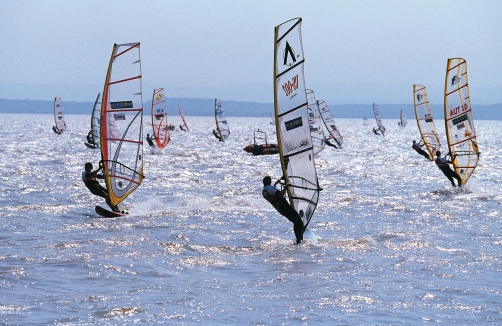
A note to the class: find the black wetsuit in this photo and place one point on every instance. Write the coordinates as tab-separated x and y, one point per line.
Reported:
448	172
421	151
93	185
285	209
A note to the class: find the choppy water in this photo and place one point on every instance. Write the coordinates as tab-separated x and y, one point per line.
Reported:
397	244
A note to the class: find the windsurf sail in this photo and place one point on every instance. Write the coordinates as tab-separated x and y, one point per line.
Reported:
221	121
459	123
183	117
159	119
402	119
60	126
93	136
425	121
330	123
316	130
121	132
378	119
291	120
365	122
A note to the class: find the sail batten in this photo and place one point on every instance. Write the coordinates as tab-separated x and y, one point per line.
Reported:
294	139
459	123
121	129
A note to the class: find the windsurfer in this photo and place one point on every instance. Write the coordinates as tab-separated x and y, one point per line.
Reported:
330	144
56	130
89	178
215	133
442	164
417	147
276	198
181	127
375	130
89	137
149	140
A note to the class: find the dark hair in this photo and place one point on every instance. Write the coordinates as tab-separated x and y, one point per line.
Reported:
267	180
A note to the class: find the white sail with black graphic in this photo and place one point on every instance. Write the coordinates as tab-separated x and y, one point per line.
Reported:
93	135
291	117
402	119
315	124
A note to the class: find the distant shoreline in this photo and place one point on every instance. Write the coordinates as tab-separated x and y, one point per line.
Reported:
204	107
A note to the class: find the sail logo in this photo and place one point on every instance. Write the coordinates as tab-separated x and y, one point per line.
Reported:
455	80
289	53
291	86
304	142
121	105
159	97
293	124
419	97
119	116
456	110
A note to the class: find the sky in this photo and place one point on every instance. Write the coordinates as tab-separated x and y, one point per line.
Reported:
357	51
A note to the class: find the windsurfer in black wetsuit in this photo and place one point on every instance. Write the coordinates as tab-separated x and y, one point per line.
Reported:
89	138
375	131
149	140
181	127
276	197
215	133
89	178
442	164
330	144
418	148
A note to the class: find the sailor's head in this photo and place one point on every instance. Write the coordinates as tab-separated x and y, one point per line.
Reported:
438	153
267	180
414	142
88	166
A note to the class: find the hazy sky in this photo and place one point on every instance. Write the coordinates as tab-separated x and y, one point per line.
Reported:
356	51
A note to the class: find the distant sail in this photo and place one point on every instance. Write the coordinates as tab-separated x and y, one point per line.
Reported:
60	126
272	121
292	127
183	117
93	136
315	124
221	121
159	118
330	123
122	123
425	121
459	123
402	119
378	119
365	122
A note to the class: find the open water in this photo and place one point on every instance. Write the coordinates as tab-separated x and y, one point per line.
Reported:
397	244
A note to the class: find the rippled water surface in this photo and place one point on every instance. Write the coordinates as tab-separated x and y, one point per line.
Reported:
397	244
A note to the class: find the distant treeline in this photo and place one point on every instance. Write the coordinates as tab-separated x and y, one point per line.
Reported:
205	107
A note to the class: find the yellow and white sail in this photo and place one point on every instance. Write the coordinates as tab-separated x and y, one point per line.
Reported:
425	121
292	121
459	123
121	132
